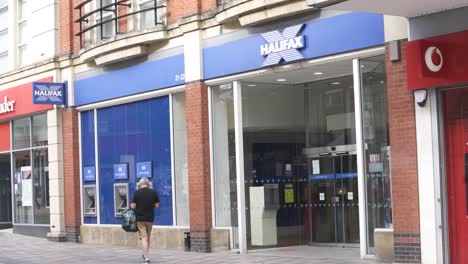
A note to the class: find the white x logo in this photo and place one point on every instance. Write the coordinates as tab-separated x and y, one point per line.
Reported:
282	45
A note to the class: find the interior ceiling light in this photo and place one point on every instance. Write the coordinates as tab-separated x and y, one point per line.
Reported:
381	81
318	73
335	83
252	85
281	80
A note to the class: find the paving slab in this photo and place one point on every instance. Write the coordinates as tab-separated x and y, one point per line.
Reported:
32	250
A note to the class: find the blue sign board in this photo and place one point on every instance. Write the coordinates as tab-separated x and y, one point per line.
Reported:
49	93
136	79
121	171
318	38
89	173
144	169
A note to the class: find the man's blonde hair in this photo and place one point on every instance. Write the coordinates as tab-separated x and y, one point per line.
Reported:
144	181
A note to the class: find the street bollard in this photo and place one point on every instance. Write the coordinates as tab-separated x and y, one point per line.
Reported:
187	241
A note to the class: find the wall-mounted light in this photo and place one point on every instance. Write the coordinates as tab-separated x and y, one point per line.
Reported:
420	97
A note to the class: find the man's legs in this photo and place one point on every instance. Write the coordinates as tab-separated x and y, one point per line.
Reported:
145	244
144	233
149	228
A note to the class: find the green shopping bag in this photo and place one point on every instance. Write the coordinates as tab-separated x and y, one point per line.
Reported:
129	223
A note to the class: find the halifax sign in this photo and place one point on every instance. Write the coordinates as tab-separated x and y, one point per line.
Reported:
49	93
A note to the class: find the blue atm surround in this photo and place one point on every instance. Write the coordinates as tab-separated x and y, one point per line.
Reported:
133	133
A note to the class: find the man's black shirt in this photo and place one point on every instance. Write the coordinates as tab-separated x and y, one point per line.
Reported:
145	198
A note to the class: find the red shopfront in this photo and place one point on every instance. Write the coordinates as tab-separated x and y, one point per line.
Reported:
24	174
442	62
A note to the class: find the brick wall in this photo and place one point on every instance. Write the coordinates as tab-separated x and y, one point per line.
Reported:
198	154
178	9
123	23
67	28
403	163
71	175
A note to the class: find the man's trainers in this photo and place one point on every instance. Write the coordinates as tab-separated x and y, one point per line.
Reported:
147	260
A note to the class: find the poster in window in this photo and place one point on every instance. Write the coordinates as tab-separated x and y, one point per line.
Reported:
26	186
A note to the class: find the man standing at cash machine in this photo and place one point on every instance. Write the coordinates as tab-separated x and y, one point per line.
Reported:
144	201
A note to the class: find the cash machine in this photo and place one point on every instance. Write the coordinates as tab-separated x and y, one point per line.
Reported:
89	200
89	191
264	205
120	188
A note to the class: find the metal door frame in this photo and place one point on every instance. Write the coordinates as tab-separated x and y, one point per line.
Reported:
321	152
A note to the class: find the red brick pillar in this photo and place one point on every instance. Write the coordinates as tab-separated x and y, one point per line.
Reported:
71	174
402	122
198	154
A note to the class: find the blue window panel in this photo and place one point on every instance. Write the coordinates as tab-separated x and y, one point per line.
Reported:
133	133
87	138
323	37
88	150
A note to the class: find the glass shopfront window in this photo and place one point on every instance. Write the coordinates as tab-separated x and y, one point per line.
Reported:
274	134
224	157
5	188
39	130
135	135
41	186
22	133
300	155
23	187
180	160
377	145
30	170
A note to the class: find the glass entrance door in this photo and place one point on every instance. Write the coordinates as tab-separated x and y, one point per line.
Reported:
333	188
333	215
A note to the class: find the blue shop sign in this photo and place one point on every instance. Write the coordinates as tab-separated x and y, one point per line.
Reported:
49	93
121	171
144	169
89	173
314	39
144	77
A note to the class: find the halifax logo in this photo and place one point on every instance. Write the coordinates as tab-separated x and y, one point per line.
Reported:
283	46
48	93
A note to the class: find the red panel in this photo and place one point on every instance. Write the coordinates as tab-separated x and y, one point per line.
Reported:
456	132
5	136
454	61
23	100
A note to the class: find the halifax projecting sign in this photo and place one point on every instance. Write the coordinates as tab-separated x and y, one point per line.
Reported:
49	93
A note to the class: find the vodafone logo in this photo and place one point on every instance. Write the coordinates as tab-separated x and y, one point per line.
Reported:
434	59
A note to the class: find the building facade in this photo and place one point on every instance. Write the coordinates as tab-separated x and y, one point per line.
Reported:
260	124
231	104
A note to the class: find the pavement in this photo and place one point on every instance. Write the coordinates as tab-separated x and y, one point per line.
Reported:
24	249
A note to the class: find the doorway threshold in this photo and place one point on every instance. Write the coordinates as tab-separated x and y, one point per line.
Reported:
335	245
312	252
